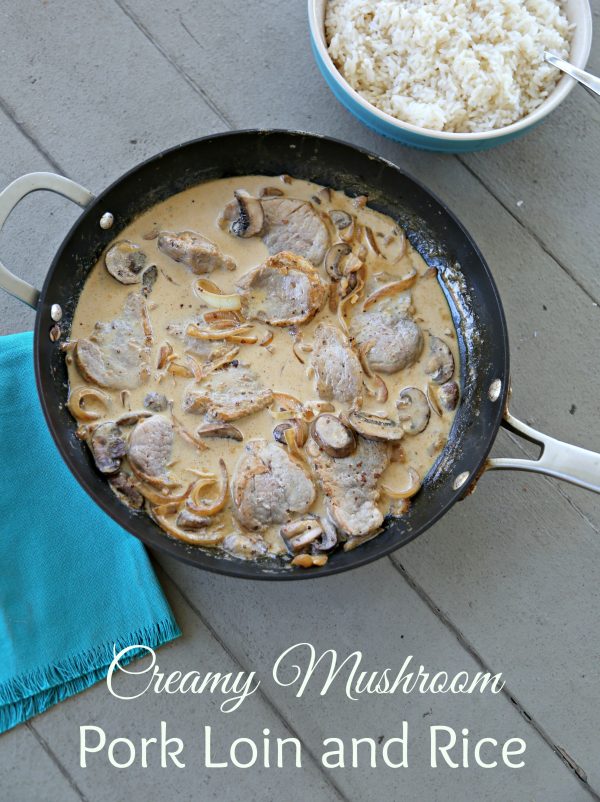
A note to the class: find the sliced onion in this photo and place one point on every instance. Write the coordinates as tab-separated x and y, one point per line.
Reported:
310	560
176	369
195	366
221	314
222	361
285	406
79	395
166	350
193	330
267	339
187	436
205	506
432	400
217	300
391	289
210	540
411	490
351	298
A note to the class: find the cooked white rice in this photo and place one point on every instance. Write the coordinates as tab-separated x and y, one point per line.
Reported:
449	65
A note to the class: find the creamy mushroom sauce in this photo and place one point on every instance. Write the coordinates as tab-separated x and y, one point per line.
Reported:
174	299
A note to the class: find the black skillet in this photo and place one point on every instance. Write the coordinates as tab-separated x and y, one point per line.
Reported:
431	228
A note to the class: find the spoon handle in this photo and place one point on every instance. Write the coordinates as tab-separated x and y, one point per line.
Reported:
586	79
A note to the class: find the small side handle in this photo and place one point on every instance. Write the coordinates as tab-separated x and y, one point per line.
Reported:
561	460
10	197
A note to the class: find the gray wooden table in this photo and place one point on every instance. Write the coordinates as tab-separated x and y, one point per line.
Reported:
508	581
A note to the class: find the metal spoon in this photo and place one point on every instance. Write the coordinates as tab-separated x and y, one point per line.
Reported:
586	79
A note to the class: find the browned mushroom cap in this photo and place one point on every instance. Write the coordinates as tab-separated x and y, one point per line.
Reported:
373	427
299	534
440	365
413	410
226	430
125	261
250	218
333	436
108	447
126	491
300	428
149	277
156	402
248	547
333	259
340	219
448	396
190	521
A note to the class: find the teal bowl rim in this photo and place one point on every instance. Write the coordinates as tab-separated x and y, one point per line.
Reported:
442	140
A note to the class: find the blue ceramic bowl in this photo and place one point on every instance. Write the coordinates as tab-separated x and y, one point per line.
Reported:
578	12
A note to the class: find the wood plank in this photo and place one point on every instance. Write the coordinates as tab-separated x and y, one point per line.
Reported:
185	717
28	772
374	611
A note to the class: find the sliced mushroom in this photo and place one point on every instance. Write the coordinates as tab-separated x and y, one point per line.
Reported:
125	261
188	520
250	217
333	436
440	365
108	447
226	430
300	428
413	410
333	259
249	547
131	418
311	532
298	535
374	427
125	489
149	277
156	402
340	219
448	396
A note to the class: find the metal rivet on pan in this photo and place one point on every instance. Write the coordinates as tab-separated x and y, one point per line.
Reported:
55	333
460	480
107	220
55	312
494	391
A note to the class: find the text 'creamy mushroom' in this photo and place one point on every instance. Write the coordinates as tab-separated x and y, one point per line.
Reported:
284	291
125	261
194	250
268	486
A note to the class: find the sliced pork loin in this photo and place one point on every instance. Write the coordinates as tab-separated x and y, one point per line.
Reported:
116	355
350	484
227	395
285	290
194	250
294	225
396	340
268	486
151	447
337	367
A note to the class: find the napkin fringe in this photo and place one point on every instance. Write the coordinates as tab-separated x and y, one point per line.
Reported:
27	695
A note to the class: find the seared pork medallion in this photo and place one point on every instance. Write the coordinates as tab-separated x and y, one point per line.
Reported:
273	370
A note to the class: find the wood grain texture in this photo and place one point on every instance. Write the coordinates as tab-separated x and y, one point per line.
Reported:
509	578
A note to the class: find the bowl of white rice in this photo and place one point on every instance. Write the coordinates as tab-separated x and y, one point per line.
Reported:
449	75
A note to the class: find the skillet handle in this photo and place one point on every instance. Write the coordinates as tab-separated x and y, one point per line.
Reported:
561	460
10	197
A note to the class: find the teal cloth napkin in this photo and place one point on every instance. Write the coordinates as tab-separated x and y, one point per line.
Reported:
73	584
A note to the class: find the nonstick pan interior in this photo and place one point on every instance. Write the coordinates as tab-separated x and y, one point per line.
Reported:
431	228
